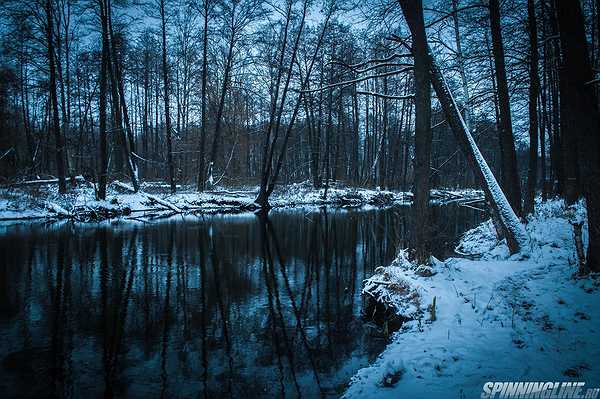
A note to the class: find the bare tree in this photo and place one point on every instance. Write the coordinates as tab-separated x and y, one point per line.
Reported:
534	90
271	173
103	173
165	74
237	16
60	155
510	174
413	12
206	10
119	105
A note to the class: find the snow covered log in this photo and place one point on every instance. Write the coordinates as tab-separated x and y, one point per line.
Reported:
59	210
393	294
164	203
151	197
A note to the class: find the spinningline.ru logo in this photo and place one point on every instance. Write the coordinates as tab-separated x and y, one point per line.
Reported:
545	390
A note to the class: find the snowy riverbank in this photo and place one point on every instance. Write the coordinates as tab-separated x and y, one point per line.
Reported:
498	318
41	200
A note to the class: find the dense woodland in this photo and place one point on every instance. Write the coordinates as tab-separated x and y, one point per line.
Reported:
205	93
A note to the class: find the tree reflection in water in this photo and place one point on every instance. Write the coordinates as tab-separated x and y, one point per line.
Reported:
242	306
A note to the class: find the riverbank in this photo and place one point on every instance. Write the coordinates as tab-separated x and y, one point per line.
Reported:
497	317
40	200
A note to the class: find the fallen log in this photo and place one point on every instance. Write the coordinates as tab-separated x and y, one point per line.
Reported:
59	210
164	203
151	197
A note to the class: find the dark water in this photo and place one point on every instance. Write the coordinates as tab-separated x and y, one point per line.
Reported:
202	307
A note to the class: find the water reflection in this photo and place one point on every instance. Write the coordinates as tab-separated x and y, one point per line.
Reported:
212	307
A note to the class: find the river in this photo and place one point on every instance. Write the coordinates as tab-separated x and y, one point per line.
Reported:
207	307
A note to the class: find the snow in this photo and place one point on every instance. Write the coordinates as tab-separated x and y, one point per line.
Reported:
32	202
395	285
59	210
478	241
498	317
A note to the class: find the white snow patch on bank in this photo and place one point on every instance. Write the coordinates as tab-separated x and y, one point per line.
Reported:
499	318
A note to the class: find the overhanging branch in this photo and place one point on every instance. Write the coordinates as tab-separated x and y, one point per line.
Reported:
386	96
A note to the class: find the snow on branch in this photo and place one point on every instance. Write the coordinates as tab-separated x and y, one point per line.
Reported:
386	96
349	82
594	81
371	61
387	64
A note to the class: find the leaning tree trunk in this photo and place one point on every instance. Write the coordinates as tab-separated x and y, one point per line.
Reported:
513	230
267	156
270	174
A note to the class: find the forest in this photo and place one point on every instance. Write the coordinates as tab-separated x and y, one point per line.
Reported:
142	111
230	93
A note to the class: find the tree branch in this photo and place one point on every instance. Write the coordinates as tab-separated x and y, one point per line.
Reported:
386	96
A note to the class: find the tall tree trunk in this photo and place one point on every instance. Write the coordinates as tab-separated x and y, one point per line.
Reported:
510	174
413	12
544	123
327	160
201	163
355	137
220	109
25	113
406	146
567	144
579	96
146	112
559	175
60	157
534	89
102	178
461	65
383	182
116	104
166	90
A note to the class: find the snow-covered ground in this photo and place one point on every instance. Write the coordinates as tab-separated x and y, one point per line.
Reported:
42	200
498	318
